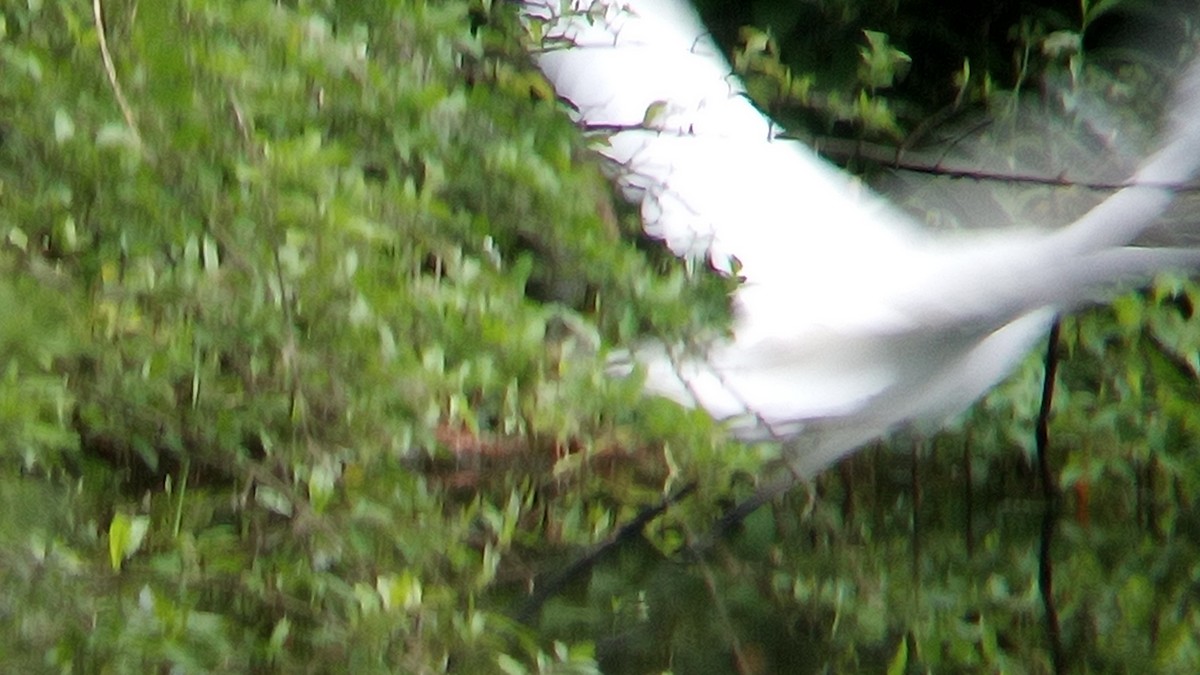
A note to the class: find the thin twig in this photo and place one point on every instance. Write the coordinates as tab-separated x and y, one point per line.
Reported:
843	152
741	664
111	71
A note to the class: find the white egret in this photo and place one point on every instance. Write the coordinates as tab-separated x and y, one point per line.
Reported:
850	320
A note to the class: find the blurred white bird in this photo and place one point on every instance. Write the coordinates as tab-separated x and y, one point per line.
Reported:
850	320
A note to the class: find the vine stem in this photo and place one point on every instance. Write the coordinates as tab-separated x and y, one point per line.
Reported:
111	70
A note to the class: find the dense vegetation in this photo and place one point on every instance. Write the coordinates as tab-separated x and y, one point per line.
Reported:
304	315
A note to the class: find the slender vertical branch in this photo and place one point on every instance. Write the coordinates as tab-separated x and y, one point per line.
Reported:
968	497
1050	495
1151	504
915	459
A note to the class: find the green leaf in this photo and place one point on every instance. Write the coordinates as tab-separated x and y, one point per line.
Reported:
510	666
899	663
125	536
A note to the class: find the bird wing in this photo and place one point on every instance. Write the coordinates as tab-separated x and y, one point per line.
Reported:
849	319
703	162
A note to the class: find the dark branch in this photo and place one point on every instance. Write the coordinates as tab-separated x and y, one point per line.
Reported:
532	605
1050	515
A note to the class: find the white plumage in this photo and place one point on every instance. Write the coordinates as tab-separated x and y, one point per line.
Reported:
850	319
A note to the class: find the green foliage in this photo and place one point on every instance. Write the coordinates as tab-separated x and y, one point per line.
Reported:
262	263
882	69
304	311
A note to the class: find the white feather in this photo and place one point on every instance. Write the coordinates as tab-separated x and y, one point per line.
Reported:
851	320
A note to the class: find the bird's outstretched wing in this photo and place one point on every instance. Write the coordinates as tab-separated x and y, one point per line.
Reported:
850	319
